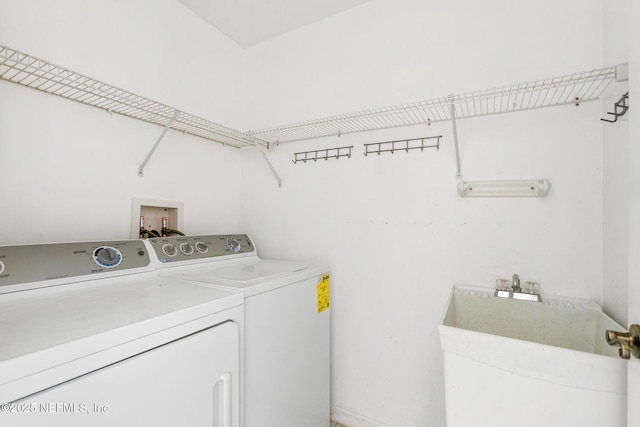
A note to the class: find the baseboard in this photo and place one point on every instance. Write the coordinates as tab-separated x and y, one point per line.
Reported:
352	419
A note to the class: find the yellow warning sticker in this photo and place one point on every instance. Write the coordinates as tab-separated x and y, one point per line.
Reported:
324	293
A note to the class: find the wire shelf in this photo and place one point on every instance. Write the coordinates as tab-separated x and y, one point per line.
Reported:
39	74
568	89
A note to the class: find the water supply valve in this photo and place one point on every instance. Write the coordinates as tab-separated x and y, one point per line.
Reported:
629	342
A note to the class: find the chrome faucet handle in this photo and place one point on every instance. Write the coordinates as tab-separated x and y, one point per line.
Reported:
503	284
532	287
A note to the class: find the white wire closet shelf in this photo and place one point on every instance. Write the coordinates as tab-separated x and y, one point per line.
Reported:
568	89
39	74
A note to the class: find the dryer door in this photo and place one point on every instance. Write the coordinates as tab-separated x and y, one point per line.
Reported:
192	381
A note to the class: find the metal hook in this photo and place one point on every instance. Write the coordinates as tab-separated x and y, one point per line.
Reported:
326	154
622	103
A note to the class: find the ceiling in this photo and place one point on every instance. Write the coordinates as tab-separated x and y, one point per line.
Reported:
249	22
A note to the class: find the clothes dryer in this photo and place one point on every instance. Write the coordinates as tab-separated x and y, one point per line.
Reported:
91	335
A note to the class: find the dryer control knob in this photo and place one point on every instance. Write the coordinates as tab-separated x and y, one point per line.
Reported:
107	256
1	267
233	244
202	247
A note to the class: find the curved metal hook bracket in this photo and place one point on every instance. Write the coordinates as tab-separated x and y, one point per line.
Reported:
622	105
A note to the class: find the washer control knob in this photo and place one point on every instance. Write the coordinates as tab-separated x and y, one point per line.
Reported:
107	256
202	247
169	249
1	267
233	244
186	248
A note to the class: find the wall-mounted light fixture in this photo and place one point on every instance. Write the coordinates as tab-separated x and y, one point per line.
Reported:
521	188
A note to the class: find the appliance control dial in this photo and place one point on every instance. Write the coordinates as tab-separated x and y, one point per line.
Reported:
1	267
202	247
186	248
169	249
233	244
107	256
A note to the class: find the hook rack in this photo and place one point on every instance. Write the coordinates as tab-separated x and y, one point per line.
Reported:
325	154
622	103
401	145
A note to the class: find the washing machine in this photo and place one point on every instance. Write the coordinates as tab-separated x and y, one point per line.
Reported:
90	334
285	346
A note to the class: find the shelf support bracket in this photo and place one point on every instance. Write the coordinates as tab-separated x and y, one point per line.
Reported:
164	132
455	137
273	170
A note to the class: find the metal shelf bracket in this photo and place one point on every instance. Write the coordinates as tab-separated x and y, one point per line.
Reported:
273	170
455	136
153	149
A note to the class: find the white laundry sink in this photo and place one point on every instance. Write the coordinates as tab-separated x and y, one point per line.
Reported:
510	362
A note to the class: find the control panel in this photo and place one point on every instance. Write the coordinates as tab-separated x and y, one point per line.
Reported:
41	262
182	248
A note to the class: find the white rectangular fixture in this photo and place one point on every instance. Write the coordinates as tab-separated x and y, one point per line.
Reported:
153	211
521	188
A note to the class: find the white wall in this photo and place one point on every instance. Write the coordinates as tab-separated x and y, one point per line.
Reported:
384	53
633	159
68	171
392	228
616	172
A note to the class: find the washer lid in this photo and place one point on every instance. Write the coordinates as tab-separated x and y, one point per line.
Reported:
256	271
245	274
255	276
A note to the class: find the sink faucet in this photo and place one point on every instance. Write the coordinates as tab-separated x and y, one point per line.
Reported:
515	283
531	293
